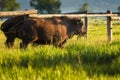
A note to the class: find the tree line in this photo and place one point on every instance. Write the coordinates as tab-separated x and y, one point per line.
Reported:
43	6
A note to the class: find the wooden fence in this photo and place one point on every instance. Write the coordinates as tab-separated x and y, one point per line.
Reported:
16	13
108	14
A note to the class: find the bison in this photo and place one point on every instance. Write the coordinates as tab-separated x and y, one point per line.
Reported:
11	27
55	30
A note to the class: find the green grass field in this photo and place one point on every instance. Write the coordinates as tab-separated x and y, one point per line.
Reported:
84	59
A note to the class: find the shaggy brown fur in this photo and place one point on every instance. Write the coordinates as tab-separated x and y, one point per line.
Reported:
41	31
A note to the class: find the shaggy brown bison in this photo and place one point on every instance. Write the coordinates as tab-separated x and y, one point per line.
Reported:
11	28
55	30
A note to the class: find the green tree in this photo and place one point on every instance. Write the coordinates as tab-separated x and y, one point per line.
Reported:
46	6
9	5
118	8
84	7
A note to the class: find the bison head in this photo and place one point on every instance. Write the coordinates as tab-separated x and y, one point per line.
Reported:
74	26
79	27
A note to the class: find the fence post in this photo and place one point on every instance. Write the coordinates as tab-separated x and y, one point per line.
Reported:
109	26
86	23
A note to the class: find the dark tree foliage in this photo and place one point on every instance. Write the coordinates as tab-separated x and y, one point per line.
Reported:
9	5
118	8
46	6
84	7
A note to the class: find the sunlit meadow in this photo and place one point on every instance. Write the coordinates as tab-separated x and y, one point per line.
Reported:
91	58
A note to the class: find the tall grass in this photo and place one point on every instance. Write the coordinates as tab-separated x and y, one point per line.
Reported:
84	59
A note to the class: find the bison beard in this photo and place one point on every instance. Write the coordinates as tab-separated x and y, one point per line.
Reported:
55	30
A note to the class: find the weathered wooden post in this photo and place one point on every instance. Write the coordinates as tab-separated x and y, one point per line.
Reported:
86	23
109	26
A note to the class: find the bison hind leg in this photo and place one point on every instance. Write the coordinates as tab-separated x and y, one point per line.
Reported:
35	44
9	42
23	45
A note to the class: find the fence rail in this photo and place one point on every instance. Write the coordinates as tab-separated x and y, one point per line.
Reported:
115	18
16	13
91	12
71	15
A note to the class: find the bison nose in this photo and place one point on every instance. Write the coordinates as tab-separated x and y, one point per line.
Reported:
84	34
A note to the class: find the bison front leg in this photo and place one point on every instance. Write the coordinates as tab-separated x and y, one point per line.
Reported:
61	45
9	42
